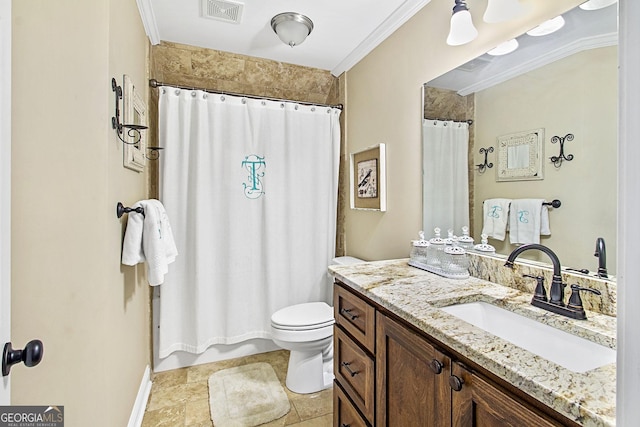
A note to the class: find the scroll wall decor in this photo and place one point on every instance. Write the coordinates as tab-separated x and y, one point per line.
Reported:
557	160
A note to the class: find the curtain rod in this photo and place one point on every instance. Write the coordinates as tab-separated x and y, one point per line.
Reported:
469	122
154	83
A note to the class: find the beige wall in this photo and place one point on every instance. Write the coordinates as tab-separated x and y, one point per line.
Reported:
68	287
384	106
577	95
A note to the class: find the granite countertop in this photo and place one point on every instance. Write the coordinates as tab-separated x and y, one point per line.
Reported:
415	295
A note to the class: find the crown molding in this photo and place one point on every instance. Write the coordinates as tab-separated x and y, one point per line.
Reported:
149	21
377	36
602	40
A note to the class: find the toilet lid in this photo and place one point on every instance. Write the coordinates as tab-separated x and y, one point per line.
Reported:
311	315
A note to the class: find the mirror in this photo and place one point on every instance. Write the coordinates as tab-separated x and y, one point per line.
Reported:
520	156
551	87
135	112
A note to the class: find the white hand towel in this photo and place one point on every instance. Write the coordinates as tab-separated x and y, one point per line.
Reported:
495	218
149	238
527	221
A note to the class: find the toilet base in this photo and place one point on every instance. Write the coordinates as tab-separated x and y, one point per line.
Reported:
306	372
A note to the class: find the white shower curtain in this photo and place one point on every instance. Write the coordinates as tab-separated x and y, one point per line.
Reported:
445	176
250	187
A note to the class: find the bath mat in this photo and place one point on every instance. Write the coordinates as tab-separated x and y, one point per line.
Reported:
246	396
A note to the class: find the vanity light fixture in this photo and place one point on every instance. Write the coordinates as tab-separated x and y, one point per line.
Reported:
504	48
462	30
133	130
291	27
597	4
547	27
502	10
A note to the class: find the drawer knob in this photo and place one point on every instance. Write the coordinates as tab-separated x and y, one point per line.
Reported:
347	313
455	383
346	365
436	366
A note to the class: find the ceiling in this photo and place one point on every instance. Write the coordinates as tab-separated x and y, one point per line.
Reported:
344	31
583	29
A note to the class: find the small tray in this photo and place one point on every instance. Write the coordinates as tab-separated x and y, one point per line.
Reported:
438	271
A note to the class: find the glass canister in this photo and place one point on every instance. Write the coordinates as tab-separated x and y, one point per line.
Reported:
419	249
465	241
455	262
484	246
436	249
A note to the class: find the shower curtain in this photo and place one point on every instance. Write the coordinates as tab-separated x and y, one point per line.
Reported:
445	176
250	187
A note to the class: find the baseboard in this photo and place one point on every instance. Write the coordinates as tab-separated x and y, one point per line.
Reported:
137	414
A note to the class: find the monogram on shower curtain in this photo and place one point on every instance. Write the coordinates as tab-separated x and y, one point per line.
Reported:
445	176
250	187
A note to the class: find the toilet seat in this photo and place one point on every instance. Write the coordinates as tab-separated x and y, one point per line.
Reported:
303	317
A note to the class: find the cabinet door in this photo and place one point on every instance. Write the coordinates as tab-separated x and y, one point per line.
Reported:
411	379
479	404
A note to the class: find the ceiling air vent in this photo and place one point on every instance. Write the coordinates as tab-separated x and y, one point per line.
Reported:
227	11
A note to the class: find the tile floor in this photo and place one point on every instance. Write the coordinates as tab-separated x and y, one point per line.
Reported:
180	398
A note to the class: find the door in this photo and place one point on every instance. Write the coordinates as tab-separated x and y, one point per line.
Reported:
411	379
5	186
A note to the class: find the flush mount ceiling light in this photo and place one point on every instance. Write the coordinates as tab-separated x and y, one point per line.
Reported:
462	30
597	4
292	28
547	27
504	48
502	10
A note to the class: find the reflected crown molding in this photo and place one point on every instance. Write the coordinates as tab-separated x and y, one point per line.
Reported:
602	40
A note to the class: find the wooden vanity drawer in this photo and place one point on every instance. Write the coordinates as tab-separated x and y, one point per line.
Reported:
356	316
355	371
344	413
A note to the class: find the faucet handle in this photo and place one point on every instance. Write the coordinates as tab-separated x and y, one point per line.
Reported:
575	302
539	294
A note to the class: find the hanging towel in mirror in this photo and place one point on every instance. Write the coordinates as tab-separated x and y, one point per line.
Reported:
149	239
528	219
495	218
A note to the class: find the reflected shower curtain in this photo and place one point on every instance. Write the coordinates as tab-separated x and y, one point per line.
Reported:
250	187
445	176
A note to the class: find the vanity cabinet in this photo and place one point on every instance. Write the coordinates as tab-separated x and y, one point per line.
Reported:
402	378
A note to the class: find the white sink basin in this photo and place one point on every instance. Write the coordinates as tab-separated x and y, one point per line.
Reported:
574	353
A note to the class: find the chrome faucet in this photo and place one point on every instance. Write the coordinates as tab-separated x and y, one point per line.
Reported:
556	293
601	253
555	304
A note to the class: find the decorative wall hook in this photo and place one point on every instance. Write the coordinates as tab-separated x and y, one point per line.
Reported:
133	130
154	153
557	160
483	166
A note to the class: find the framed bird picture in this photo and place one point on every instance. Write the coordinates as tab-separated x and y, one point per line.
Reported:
368	183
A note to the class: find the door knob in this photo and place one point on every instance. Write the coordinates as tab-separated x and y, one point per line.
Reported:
31	355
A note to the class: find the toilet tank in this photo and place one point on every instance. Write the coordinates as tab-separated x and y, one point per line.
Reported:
346	260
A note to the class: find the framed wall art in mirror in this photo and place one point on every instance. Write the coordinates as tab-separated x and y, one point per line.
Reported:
368	179
520	156
135	112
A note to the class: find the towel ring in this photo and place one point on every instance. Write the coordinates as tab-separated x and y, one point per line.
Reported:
121	210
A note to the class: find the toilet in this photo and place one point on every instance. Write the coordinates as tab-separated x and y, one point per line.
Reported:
306	330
